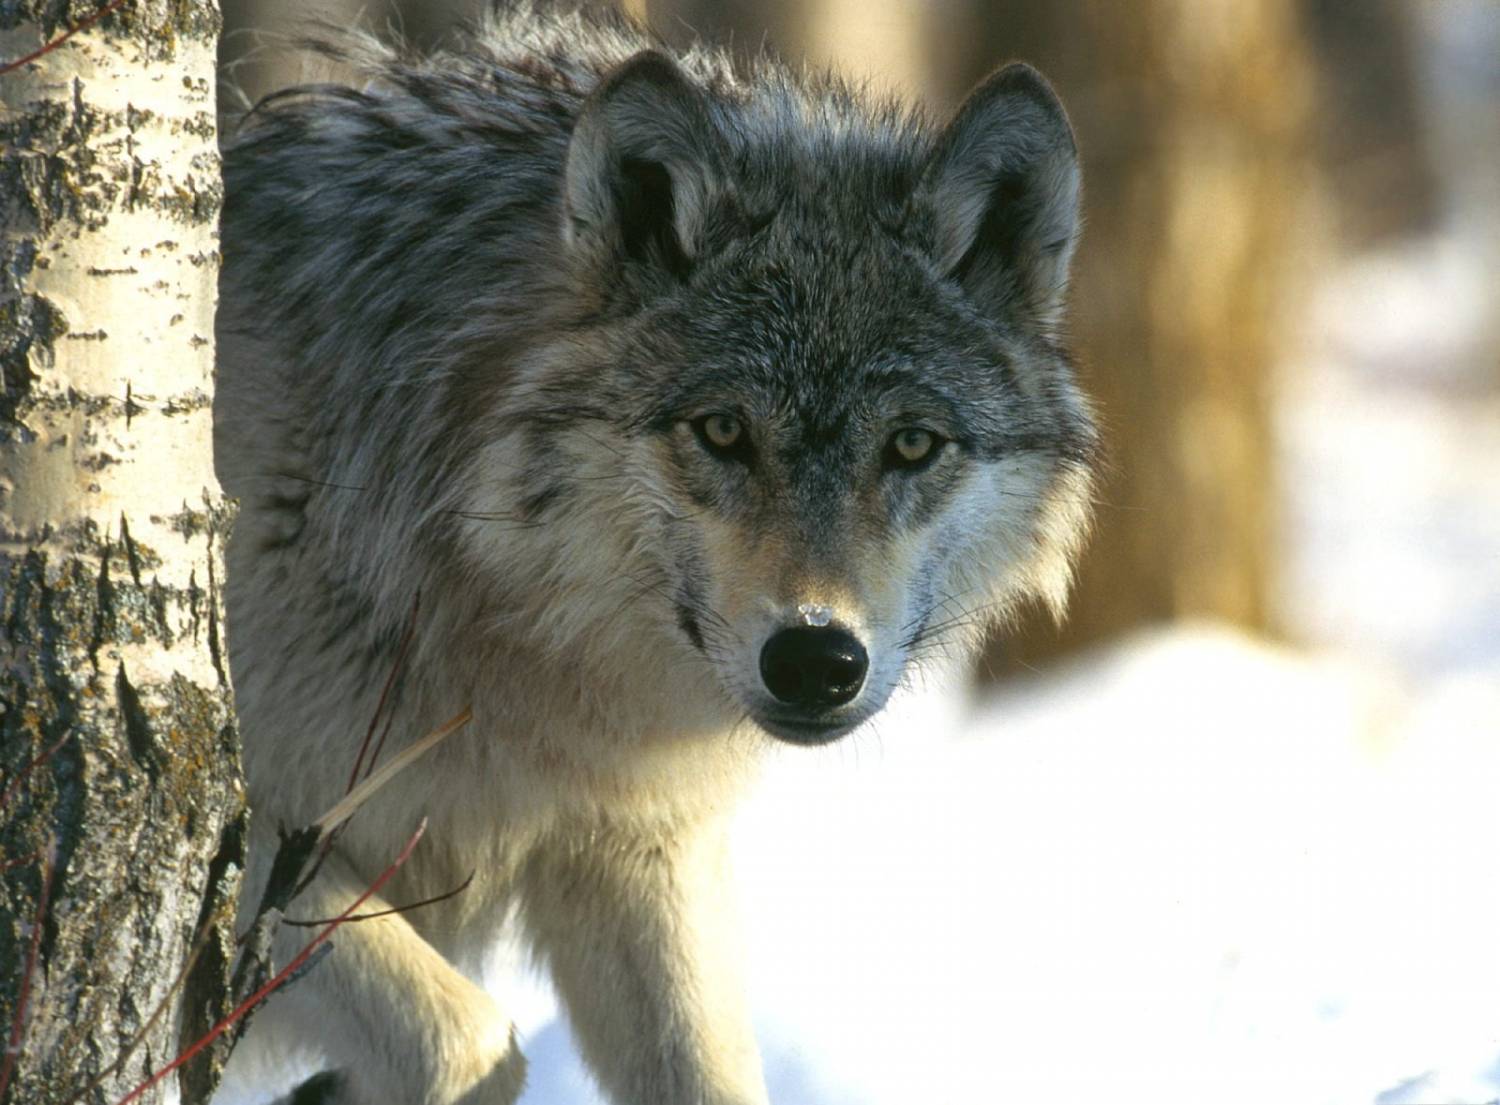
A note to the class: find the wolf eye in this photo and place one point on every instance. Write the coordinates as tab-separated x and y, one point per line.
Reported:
722	434
911	447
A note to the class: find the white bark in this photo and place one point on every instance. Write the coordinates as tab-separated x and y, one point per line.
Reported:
111	525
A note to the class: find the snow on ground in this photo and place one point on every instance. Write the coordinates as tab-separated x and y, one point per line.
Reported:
1189	868
1389	427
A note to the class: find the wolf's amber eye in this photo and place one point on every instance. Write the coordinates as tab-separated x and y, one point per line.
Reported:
721	433
912	446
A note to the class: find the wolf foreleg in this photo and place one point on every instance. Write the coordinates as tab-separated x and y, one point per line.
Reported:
643	948
401	1026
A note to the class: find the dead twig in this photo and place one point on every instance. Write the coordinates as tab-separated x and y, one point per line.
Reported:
443	897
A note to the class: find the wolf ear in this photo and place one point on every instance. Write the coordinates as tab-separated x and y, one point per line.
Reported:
645	164
1002	187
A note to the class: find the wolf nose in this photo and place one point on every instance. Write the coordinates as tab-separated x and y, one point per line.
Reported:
813	666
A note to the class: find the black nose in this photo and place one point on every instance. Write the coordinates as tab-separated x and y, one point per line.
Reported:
815	666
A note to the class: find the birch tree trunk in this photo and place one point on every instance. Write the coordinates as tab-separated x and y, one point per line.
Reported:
119	765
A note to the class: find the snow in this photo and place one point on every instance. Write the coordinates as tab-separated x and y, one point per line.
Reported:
1393	487
1191	868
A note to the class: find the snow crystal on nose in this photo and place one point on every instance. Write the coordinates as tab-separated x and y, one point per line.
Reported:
815	614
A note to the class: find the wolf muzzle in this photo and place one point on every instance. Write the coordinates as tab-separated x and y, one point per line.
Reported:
812	671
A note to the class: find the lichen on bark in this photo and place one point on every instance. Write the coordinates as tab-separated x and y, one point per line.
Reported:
119	761
139	803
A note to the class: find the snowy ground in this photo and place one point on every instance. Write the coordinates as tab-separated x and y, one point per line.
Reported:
1192	868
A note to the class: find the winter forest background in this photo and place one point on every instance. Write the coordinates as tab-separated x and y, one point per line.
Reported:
1231	835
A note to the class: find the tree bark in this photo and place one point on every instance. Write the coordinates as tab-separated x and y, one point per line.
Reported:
123	806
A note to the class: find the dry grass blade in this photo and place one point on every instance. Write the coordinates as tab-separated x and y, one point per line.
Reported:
398	763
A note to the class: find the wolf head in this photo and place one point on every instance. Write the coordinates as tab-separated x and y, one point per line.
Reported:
805	410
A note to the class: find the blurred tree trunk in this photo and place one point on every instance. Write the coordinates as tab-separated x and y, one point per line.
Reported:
882	42
259	51
119	766
743	25
1190	116
1370	136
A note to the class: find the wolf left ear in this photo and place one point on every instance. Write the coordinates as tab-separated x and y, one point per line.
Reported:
644	166
1002	187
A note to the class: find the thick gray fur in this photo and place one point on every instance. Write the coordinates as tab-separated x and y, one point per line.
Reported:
475	309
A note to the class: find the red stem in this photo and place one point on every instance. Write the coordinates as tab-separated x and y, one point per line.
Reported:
390	681
18	1025
21	861
60	39
281	976
35	762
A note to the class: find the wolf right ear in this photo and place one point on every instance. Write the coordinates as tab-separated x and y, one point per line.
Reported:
644	167
1002	189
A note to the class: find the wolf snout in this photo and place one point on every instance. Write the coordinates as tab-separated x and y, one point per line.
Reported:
814	667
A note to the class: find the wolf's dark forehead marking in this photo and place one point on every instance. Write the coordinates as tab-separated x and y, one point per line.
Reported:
856	330
847	180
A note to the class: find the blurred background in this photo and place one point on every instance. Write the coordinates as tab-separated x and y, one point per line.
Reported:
1233	833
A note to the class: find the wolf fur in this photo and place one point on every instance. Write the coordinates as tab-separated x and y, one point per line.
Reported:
624	363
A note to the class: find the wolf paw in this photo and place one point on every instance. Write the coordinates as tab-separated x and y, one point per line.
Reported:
320	1089
501	1087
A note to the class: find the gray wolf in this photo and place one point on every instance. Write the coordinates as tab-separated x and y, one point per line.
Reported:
701	403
